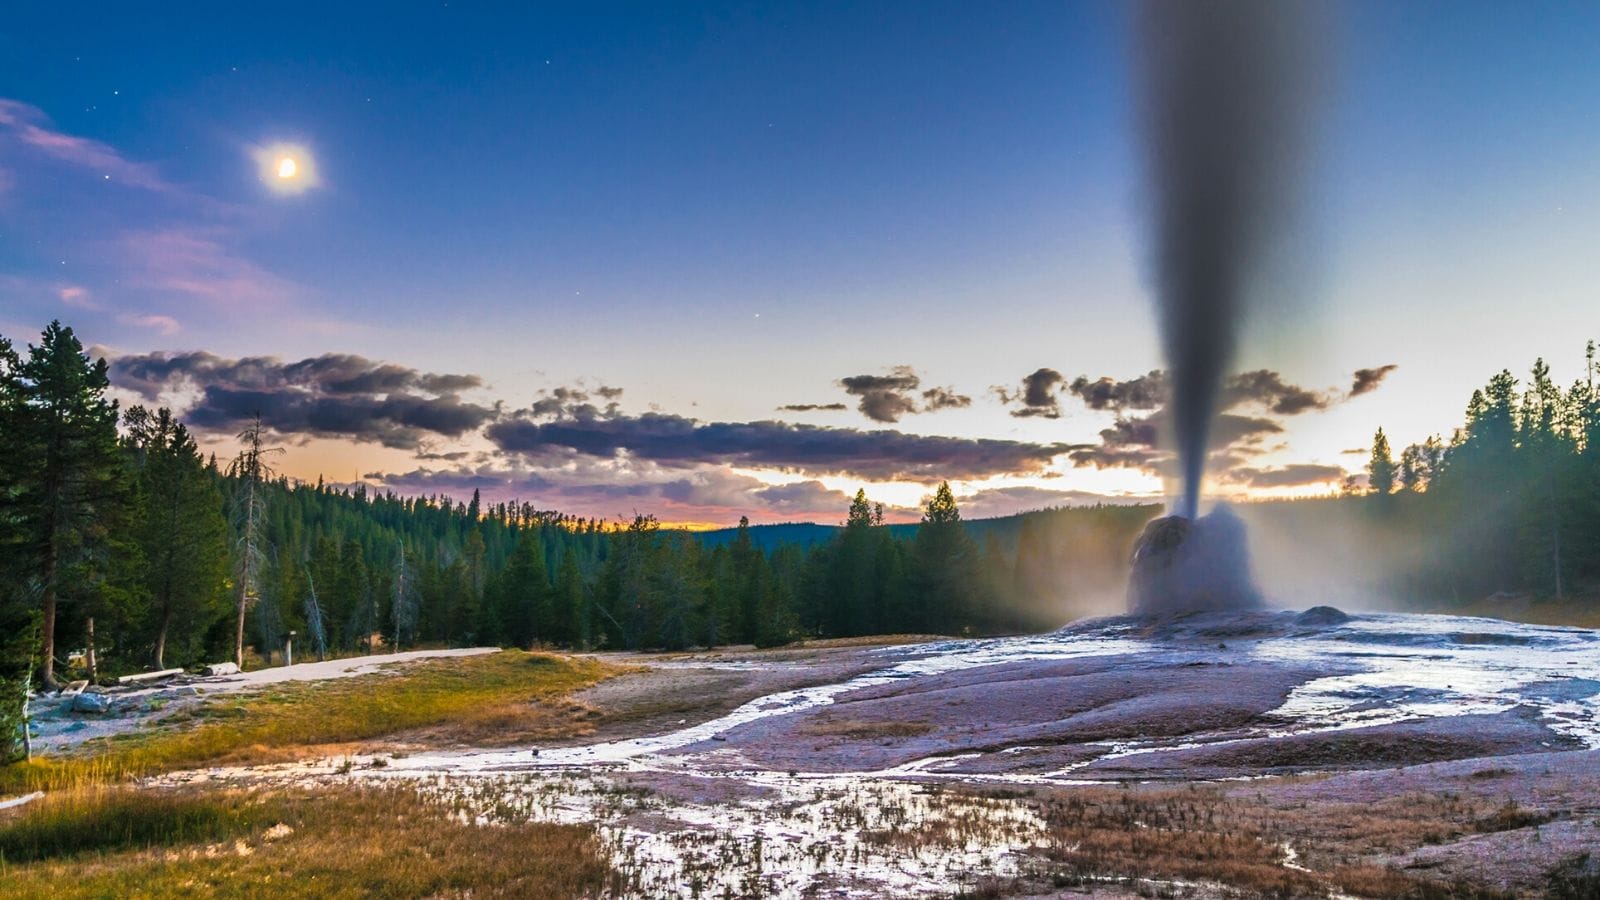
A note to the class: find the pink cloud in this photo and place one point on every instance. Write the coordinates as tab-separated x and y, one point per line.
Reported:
77	297
165	324
189	261
32	128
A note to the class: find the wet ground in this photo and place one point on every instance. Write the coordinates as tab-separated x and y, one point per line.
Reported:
945	766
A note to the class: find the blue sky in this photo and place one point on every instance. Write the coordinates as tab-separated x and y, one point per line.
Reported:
723	210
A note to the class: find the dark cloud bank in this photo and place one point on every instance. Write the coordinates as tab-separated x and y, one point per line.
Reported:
582	427
671	439
333	395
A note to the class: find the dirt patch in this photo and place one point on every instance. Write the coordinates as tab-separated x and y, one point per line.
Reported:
862	730
680	690
1408	743
1054	704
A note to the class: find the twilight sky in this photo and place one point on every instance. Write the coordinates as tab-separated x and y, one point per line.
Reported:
721	259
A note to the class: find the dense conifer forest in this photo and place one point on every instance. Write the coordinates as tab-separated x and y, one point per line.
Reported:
122	548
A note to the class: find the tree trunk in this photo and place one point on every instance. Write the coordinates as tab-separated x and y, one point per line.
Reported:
88	653
245	573
238	632
47	666
161	636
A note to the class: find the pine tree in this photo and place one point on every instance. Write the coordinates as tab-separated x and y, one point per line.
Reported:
571	608
1381	468
745	592
464	615
943	569
64	478
525	592
179	529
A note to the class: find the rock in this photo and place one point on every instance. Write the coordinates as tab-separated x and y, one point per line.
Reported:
1318	616
76	726
92	703
223	668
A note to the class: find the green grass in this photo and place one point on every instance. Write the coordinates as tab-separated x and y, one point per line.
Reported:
509	690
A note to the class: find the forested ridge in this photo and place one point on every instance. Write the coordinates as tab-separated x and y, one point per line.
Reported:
122	548
1509	503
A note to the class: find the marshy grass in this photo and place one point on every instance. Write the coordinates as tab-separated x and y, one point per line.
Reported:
97	819
508	695
1205	834
352	841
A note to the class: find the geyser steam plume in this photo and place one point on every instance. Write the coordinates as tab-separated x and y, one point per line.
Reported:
1227	89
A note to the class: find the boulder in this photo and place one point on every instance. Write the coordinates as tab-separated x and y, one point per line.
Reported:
1322	616
222	668
96	703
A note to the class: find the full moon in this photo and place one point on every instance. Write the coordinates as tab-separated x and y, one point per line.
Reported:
286	168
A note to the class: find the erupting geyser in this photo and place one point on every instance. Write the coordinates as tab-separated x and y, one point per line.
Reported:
1226	102
1183	565
1226	105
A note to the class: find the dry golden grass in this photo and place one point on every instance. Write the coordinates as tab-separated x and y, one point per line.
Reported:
346	842
100	818
511	692
1205	834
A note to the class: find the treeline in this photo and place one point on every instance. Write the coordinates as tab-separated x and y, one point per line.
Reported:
123	548
1509	504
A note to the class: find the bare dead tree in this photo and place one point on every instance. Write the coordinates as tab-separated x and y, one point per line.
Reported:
314	625
251	473
404	607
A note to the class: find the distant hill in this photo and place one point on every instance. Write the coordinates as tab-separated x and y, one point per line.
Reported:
1005	529
771	537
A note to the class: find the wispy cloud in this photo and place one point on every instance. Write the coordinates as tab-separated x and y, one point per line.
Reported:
78	297
195	262
31	128
167	325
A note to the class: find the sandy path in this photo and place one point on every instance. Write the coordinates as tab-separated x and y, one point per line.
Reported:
332	668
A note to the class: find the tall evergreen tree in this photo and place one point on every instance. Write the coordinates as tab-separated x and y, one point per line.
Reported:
943	565
65	479
570	607
179	528
524	598
1381	468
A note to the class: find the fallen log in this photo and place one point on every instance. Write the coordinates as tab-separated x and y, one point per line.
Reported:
149	676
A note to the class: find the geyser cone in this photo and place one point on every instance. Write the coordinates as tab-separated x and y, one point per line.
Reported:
1183	565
